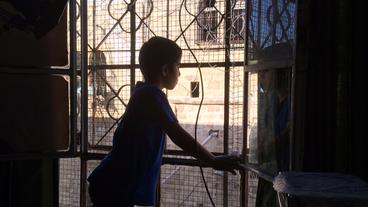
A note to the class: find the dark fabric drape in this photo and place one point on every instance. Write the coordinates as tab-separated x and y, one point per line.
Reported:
331	57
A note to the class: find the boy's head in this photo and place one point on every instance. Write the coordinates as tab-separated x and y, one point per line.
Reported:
157	57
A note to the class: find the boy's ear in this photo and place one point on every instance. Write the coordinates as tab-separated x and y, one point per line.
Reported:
165	70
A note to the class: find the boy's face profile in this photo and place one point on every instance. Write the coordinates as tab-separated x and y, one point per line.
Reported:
171	75
159	60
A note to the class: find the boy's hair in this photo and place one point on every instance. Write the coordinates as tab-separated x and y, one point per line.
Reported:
155	53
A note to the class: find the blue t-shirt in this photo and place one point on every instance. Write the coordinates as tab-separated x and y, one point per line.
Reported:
130	172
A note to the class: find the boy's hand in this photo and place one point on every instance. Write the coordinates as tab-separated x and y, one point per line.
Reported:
227	163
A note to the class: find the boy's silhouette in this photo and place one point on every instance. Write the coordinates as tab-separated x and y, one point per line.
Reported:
128	175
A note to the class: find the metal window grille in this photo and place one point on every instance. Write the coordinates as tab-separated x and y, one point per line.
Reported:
213	37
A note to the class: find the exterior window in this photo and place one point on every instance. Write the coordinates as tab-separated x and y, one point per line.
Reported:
238	26
207	24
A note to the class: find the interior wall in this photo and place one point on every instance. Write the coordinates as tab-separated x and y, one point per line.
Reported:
29	47
28	183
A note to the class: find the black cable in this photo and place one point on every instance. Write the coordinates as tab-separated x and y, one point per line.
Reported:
116	95
200	105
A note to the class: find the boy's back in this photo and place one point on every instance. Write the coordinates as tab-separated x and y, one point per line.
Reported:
130	171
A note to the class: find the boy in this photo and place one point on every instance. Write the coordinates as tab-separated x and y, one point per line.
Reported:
128	175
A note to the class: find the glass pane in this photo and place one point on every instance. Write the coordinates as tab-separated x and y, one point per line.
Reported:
269	116
271	30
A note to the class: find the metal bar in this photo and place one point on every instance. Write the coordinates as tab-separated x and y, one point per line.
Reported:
214	48
94	30
185	162
92	65
166	152
204	142
244	186
34	70
171	174
132	45
244	174
84	75
260	172
166	160
292	155
274	22
106	148
84	100
182	65
189	194
227	94
36	155
112	29
259	31
141	20
97	156
167	18
90	47
182	153
73	75
195	18
107	132
10	196
280	63
158	192
84	141
88	156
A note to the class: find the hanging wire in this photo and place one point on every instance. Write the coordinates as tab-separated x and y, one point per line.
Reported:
200	103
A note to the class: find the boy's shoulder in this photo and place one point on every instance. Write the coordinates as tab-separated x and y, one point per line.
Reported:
143	88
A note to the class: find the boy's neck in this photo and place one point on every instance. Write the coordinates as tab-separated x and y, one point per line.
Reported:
155	83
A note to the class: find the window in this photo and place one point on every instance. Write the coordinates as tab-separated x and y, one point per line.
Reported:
194	89
207	24
238	26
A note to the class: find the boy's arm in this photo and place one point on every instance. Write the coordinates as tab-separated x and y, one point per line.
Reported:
185	141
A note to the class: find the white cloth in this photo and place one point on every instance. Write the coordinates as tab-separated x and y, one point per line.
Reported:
321	185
